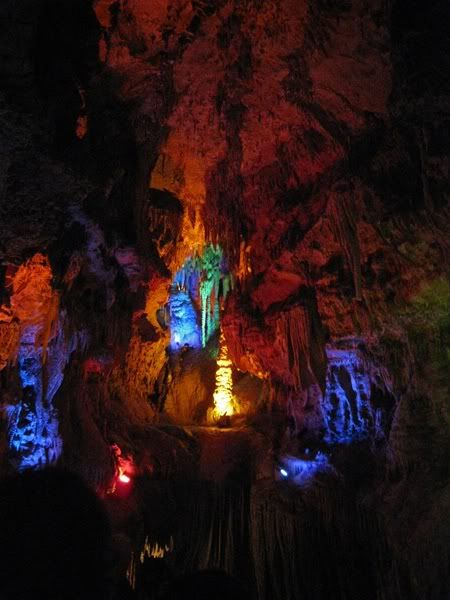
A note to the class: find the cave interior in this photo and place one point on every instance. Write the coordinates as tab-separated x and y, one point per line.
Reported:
224	283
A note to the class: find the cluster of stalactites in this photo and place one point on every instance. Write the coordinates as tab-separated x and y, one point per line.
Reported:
151	549
204	278
349	414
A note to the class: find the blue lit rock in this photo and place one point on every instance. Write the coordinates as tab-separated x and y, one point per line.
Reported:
33	430
349	415
184	326
202	282
302	471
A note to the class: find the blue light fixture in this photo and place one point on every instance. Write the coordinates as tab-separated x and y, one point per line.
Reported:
284	473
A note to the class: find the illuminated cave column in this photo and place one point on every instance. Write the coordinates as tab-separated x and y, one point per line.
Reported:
33	428
224	401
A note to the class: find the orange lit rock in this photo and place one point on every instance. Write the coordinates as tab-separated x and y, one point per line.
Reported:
102	10
9	342
223	397
81	127
32	297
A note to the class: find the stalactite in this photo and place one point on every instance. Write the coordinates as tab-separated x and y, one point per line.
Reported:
294	328
204	277
347	407
315	545
214	530
131	573
155	549
244	268
342	212
164	226
209	290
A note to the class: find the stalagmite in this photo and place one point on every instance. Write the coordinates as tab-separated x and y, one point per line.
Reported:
224	402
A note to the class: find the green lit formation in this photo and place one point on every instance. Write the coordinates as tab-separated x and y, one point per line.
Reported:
205	277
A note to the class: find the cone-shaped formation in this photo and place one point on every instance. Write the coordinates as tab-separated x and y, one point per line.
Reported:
224	402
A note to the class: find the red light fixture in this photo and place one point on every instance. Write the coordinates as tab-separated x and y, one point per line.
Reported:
124	478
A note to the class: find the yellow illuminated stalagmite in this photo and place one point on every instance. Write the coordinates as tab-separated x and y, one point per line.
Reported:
224	402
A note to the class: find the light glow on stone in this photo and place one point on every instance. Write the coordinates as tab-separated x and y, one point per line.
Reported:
303	471
184	327
224	402
348	413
